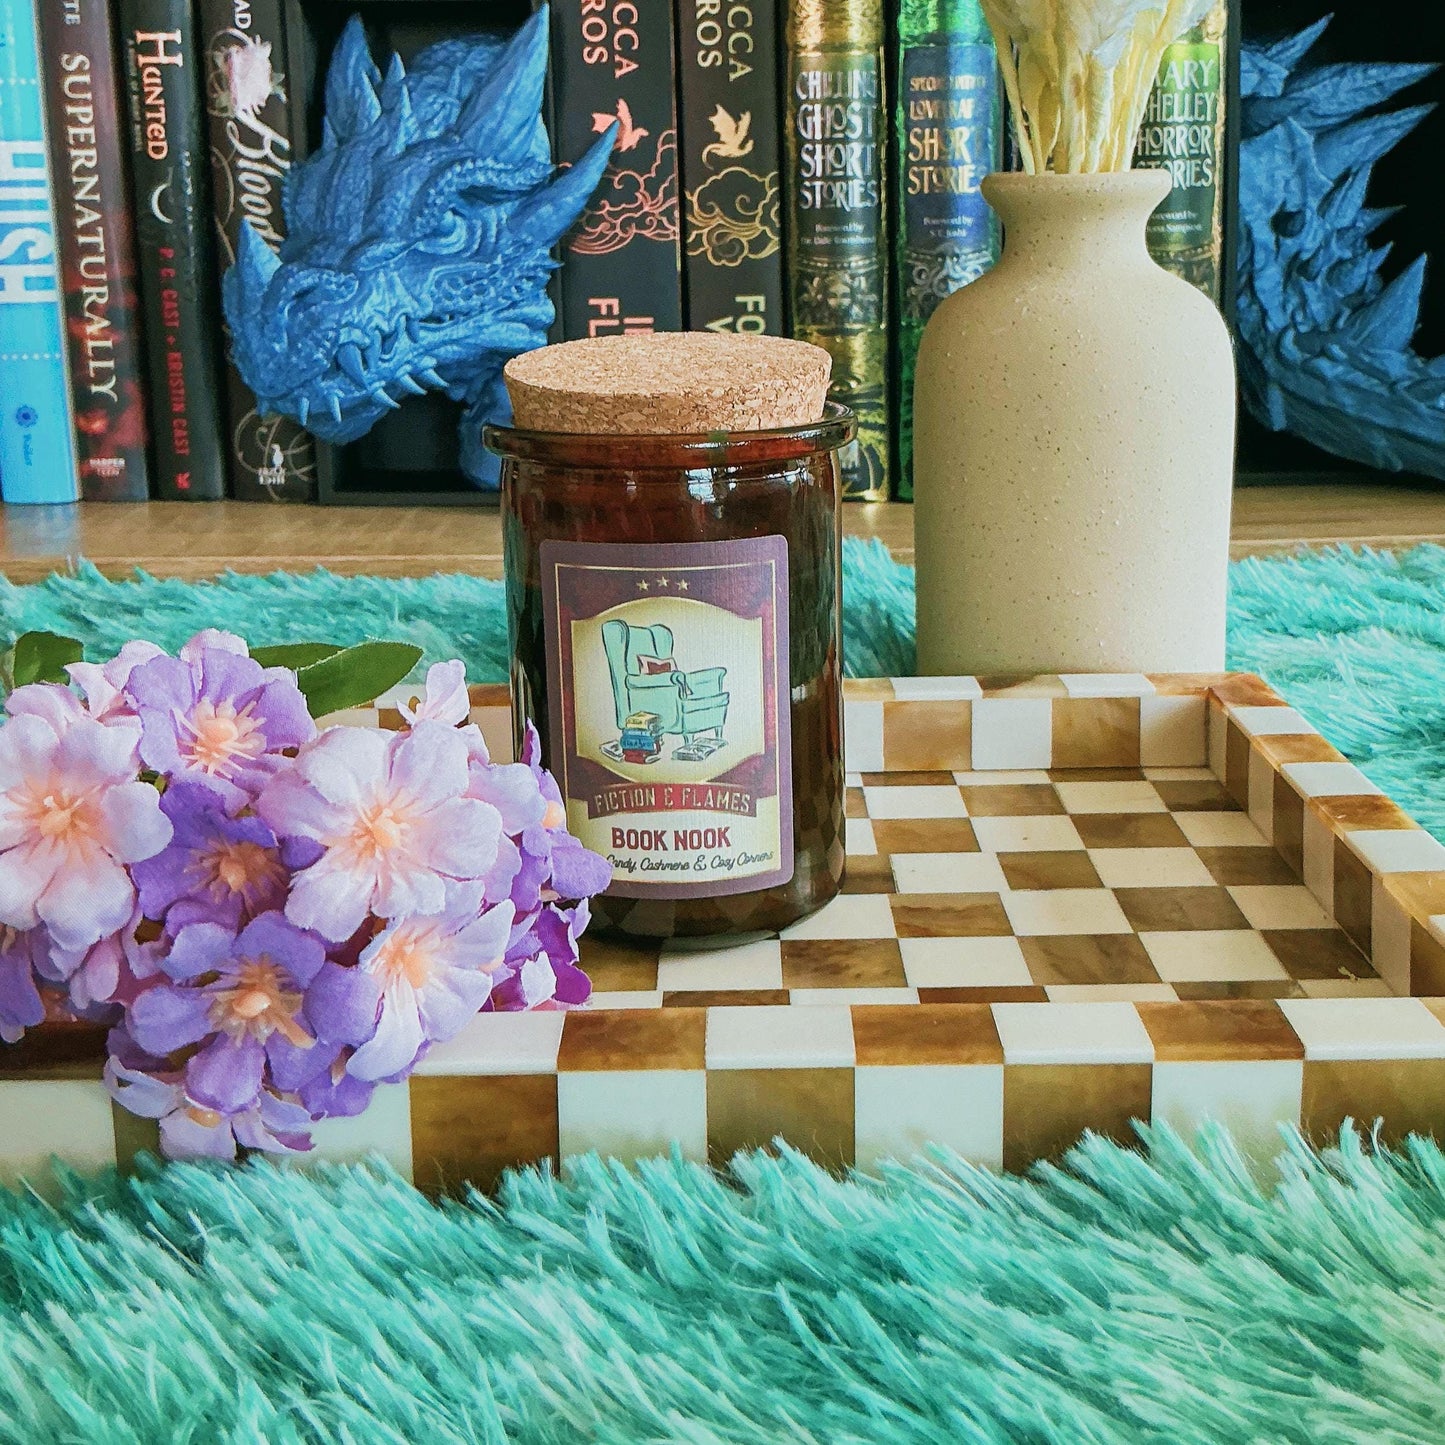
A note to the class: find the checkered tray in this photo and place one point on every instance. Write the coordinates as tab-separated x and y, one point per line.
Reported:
1071	902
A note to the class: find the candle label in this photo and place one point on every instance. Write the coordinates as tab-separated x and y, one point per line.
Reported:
667	677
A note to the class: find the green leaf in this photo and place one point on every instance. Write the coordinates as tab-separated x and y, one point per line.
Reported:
294	655
356	675
41	657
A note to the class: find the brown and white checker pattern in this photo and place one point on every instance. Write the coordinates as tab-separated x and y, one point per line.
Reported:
1072	902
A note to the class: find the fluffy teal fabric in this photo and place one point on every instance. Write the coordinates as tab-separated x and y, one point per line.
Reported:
1356	639
1125	1299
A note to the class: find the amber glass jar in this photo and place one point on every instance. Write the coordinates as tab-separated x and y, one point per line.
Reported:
673	607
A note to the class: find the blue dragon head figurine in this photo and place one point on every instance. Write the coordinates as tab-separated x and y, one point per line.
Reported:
419	239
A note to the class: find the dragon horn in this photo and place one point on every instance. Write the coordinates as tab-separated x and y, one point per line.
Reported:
351	81
1388	322
501	116
1363	142
397	107
256	264
541	219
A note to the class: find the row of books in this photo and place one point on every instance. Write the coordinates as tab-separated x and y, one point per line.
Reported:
813	168
134	136
802	167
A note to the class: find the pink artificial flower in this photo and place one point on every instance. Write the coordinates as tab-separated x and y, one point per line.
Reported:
434	974
446	699
72	815
103	683
390	814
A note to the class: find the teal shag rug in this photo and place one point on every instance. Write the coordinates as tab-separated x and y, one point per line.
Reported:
1124	1298
1354	638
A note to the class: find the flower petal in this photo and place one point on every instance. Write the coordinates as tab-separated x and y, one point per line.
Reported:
89	896
226	1074
57	707
461	838
25	873
164	1019
183	1136
92	753
345	765
511	788
451	1001
27	751
330	900
198	948
136	826
396	1041
142	1094
212	637
342	1004
428	764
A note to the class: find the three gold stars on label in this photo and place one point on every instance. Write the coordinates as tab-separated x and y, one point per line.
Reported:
680	584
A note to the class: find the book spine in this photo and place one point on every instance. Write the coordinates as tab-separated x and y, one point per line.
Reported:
949	134
1183	133
835	212
173	246
622	268
37	458
97	248
731	158
253	120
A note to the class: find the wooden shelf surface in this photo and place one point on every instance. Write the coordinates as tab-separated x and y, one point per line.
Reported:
199	540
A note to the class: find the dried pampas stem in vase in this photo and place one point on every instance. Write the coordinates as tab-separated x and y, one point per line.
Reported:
1079	72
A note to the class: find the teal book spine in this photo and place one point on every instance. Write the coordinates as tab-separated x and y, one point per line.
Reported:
37	456
949	135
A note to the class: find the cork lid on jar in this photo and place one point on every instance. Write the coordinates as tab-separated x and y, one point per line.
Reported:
669	383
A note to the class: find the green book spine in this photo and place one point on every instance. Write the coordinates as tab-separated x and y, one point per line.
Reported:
835	198
949	134
1183	133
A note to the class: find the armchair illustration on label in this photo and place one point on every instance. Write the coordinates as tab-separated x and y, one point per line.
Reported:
654	698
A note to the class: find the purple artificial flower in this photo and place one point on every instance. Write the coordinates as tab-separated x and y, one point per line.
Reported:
538	860
389	812
216	717
542	969
191	1130
217	869
72	816
21	1006
93	977
446	699
245	998
434	974
554	863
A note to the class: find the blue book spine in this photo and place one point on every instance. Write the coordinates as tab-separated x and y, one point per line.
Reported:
37	458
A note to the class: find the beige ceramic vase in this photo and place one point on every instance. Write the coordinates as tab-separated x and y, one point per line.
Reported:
1073	447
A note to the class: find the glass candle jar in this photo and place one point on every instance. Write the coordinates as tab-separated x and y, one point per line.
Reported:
673	608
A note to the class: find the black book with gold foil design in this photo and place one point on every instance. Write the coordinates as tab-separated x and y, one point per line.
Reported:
731	152
613	65
835	218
